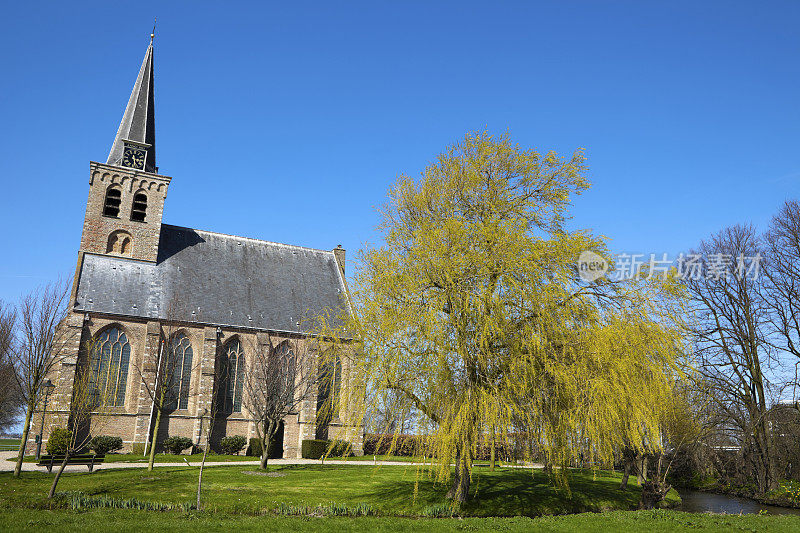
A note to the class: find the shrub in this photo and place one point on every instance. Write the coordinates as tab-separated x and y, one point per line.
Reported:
176	445
313	448
232	445
137	448
340	448
58	442
254	449
102	444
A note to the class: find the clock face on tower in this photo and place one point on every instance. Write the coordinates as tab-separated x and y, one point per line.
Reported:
134	156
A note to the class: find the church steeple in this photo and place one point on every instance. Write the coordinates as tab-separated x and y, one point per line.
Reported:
135	143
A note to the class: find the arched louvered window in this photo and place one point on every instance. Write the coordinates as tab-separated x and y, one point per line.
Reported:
139	207
113	201
108	364
231	378
179	372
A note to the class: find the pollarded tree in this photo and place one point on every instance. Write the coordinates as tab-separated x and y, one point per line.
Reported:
473	309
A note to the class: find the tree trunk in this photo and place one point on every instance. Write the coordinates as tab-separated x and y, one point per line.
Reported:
265	452
641	468
25	430
269	430
625	476
157	423
58	475
460	489
653	491
492	453
200	476
205	454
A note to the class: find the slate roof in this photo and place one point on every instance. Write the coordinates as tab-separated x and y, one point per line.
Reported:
216	279
138	122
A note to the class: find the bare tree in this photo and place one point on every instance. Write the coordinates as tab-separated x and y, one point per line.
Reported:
10	397
391	413
88	415
41	345
782	273
211	416
280	379
730	329
167	382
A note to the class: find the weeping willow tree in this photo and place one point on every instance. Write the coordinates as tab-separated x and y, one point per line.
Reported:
474	311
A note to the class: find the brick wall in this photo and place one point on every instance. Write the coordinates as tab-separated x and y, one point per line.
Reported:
131	421
97	228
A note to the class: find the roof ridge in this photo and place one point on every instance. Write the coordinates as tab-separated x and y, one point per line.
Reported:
250	239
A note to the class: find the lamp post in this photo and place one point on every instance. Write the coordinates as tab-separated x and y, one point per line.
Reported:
48	388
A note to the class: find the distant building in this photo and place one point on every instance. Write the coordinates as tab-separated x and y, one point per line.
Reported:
230	293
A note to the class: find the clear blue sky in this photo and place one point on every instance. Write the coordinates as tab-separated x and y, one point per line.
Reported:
288	121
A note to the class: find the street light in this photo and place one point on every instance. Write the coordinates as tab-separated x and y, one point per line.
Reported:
48	388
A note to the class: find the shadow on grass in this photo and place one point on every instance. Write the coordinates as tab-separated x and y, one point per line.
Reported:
510	492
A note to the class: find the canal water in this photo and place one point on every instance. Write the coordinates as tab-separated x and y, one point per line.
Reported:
707	502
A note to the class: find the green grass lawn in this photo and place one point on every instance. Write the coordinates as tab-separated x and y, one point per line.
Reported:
9	445
613	522
388	490
234	498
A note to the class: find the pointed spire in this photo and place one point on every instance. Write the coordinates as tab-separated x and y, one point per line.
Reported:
138	122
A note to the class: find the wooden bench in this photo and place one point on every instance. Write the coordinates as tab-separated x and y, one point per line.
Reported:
87	459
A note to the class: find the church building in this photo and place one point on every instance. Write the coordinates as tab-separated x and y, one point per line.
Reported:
226	294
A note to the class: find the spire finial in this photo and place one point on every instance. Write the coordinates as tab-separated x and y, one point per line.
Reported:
153	34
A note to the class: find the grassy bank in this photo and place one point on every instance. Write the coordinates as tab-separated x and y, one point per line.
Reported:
386	490
613	522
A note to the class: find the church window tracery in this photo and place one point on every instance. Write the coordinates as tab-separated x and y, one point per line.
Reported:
108	363
179	371
231	378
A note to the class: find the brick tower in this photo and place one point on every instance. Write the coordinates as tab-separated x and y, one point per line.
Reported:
126	194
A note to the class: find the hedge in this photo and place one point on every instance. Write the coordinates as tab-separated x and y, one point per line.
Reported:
102	444
254	449
316	449
313	448
419	445
404	446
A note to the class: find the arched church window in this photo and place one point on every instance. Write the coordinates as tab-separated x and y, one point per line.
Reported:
108	363
113	201
120	242
179	372
231	378
283	367
337	386
139	208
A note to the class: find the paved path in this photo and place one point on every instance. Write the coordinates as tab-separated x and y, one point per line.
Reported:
8	466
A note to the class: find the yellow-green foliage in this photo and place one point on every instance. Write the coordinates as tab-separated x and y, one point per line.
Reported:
473	309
